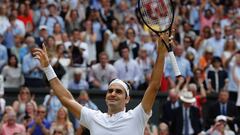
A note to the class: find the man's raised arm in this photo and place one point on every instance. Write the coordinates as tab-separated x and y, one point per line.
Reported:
62	93
156	77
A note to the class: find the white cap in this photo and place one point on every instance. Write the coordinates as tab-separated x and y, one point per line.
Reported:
43	27
221	118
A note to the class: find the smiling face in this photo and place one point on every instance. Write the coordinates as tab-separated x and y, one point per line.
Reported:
116	98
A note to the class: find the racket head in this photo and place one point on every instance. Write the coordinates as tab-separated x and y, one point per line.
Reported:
158	15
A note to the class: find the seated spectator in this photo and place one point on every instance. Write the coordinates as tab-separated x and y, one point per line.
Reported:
127	68
102	73
169	106
29	115
32	70
224	107
57	33
206	59
11	127
199	95
42	35
53	104
20	49
62	120
12	73
163	129
90	37
59	131
186	118
53	17
2	105
77	83
217	75
131	43
183	64
150	130
39	126
24	97
220	127
84	100
3	53
145	63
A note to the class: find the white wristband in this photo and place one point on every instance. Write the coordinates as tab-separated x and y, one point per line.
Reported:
49	72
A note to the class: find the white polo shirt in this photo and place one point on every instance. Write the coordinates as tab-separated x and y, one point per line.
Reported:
123	123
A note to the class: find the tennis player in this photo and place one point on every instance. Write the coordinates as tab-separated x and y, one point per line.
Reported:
116	121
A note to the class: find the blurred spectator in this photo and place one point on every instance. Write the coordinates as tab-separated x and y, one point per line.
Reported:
207	17
58	131
232	85
235	74
228	32
4	23
186	118
217	42
32	70
84	100
220	127
237	37
2	106
163	129
201	41
3	53
51	46
131	43
82	46
39	126
20	49
102	73
217	75
110	42
12	73
89	37
150	130
52	103
106	13
40	11
201	96
24	97
194	16
17	26
26	16
29	114
146	64
52	18
42	35
206	59
169	106
224	107
11	127
57	33
127	68
188	47
230	47
62	121
183	64
72	21
78	83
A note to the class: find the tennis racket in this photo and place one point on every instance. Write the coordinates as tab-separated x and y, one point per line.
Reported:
158	15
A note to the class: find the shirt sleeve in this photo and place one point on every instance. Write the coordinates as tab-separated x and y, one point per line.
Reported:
87	117
141	116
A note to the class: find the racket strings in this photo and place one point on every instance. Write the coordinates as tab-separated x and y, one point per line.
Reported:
157	14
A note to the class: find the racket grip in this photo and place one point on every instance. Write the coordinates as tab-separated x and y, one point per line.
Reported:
174	64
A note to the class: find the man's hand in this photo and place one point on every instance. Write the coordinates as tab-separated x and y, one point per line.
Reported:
41	55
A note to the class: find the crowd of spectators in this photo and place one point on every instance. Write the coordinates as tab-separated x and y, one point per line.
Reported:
91	42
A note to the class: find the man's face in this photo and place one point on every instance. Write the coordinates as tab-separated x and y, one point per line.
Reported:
116	97
41	112
125	53
103	60
223	97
